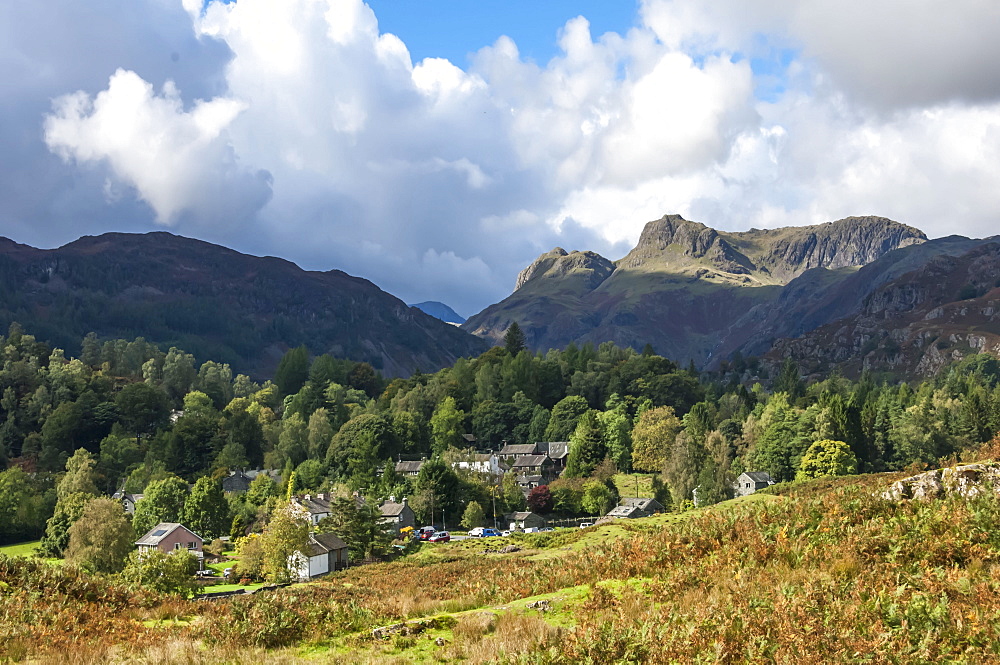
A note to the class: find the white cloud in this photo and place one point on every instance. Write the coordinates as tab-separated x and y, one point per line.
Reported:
441	183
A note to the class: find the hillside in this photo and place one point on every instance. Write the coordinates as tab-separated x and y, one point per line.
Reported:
439	310
215	303
915	324
816	572
684	284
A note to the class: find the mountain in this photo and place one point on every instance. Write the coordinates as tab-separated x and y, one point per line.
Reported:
914	324
440	311
685	288
216	303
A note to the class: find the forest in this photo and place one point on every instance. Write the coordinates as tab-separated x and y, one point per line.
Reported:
142	420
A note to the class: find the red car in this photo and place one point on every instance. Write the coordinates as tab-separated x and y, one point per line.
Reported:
440	537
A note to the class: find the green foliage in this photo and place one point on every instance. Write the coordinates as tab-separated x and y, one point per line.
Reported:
205	510
293	371
284	536
565	415
102	538
587	447
163	501
165	573
513	339
25	504
67	511
473	516
447	426
358	525
827	458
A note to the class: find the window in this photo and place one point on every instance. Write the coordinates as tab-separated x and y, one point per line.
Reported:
177	546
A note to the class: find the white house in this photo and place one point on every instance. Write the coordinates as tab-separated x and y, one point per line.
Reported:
326	552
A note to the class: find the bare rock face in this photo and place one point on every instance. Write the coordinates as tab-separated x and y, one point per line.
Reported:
965	480
691	240
591	266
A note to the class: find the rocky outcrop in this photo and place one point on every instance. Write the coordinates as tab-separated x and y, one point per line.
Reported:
965	480
589	267
687	239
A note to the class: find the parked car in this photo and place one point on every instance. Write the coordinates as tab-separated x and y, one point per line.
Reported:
531	529
208	572
227	573
546	528
439	537
584	525
505	533
483	532
490	533
424	532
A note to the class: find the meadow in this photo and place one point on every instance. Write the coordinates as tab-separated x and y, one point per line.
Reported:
821	571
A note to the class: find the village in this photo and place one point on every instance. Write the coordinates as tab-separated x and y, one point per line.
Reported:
392	520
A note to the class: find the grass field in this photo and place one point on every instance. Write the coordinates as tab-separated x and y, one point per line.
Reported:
20	549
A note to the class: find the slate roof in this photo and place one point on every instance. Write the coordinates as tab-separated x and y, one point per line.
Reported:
314	505
161	531
626	512
530	460
642	503
321	543
519	449
391	509
554	449
522	515
408	467
759	476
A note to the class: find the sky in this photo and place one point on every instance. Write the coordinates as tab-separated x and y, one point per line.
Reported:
436	147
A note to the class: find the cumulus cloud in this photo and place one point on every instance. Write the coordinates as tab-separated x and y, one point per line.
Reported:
298	128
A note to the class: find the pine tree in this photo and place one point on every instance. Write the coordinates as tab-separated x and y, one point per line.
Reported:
513	339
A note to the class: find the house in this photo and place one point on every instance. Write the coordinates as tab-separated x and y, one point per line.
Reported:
557	451
534	465
316	506
408	468
237	481
397	515
749	482
525	520
128	501
326	552
171	536
645	505
634	507
528	483
273	474
480	463
512	451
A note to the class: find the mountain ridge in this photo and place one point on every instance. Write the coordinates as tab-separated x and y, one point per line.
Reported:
217	303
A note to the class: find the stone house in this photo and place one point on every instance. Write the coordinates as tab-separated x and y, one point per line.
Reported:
316	506
525	520
512	451
533	465
409	468
128	501
557	451
749	482
397	515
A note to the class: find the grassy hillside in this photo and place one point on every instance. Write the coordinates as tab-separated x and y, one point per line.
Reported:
813	572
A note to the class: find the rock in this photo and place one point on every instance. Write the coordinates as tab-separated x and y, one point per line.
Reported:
440	641
965	480
540	605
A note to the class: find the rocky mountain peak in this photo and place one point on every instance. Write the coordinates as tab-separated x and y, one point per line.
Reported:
593	267
676	241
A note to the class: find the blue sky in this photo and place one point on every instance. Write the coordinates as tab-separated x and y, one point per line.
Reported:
453	29
300	128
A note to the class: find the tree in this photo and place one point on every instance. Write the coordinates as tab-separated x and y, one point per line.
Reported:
439	482
564	417
359	447
446	426
715	482
683	465
165	573
142	407
358	525
586	447
652	437
163	501
473	516
80	475
827	458
205	511
513	339
68	510
293	371
286	535
513	497
540	499
101	540
598	499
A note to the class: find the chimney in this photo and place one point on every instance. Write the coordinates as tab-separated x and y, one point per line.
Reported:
404	500
392	498
308	497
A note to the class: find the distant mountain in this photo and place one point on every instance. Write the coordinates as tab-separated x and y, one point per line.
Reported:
216	303
686	289
439	311
916	322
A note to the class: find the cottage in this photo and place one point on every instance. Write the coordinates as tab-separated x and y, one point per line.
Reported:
528	483
525	520
557	451
512	451
645	505
128	501
749	482
408	468
326	552
237	481
168	537
534	465
397	515
315	506
480	463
